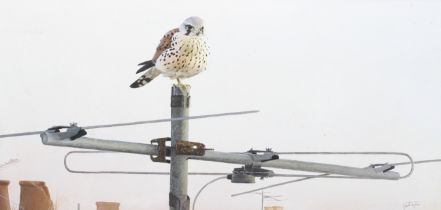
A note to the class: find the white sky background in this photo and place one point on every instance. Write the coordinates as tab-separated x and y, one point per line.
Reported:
326	75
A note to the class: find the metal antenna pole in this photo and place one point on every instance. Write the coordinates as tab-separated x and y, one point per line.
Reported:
262	199
180	103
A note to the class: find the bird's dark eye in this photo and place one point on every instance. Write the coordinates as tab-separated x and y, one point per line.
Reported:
188	27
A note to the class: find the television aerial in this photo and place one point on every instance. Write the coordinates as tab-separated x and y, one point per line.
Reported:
176	150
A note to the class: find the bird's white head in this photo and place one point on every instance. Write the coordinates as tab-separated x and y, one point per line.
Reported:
192	26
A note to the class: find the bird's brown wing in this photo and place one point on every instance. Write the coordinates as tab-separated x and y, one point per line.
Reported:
164	43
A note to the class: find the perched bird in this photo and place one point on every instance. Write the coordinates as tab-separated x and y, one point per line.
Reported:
181	53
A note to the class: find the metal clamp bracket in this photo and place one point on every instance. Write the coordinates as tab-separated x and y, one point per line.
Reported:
71	132
163	150
189	148
260	156
381	168
248	173
181	148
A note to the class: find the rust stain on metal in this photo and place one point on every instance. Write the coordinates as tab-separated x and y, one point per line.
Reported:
189	148
182	148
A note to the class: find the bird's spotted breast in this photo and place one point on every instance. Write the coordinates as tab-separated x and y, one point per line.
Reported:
187	57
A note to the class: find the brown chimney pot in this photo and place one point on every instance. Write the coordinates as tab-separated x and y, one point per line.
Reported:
4	195
35	195
101	205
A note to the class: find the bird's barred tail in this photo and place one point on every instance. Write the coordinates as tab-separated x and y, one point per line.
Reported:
146	78
145	65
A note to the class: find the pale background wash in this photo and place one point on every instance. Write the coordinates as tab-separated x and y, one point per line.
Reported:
360	75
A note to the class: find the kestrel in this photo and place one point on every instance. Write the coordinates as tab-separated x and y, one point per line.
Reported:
181	53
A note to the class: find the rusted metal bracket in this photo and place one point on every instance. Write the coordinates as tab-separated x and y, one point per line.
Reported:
182	148
163	150
189	148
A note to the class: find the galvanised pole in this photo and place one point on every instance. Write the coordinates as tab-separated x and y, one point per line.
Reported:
180	103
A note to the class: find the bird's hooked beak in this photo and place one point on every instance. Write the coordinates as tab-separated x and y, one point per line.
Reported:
201	31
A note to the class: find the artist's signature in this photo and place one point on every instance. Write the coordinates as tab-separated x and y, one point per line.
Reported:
412	204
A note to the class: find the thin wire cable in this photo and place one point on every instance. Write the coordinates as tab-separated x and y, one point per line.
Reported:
417	162
124	172
203	187
140	122
66	166
167	173
304	176
172	119
272	198
190	173
278	184
263	195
